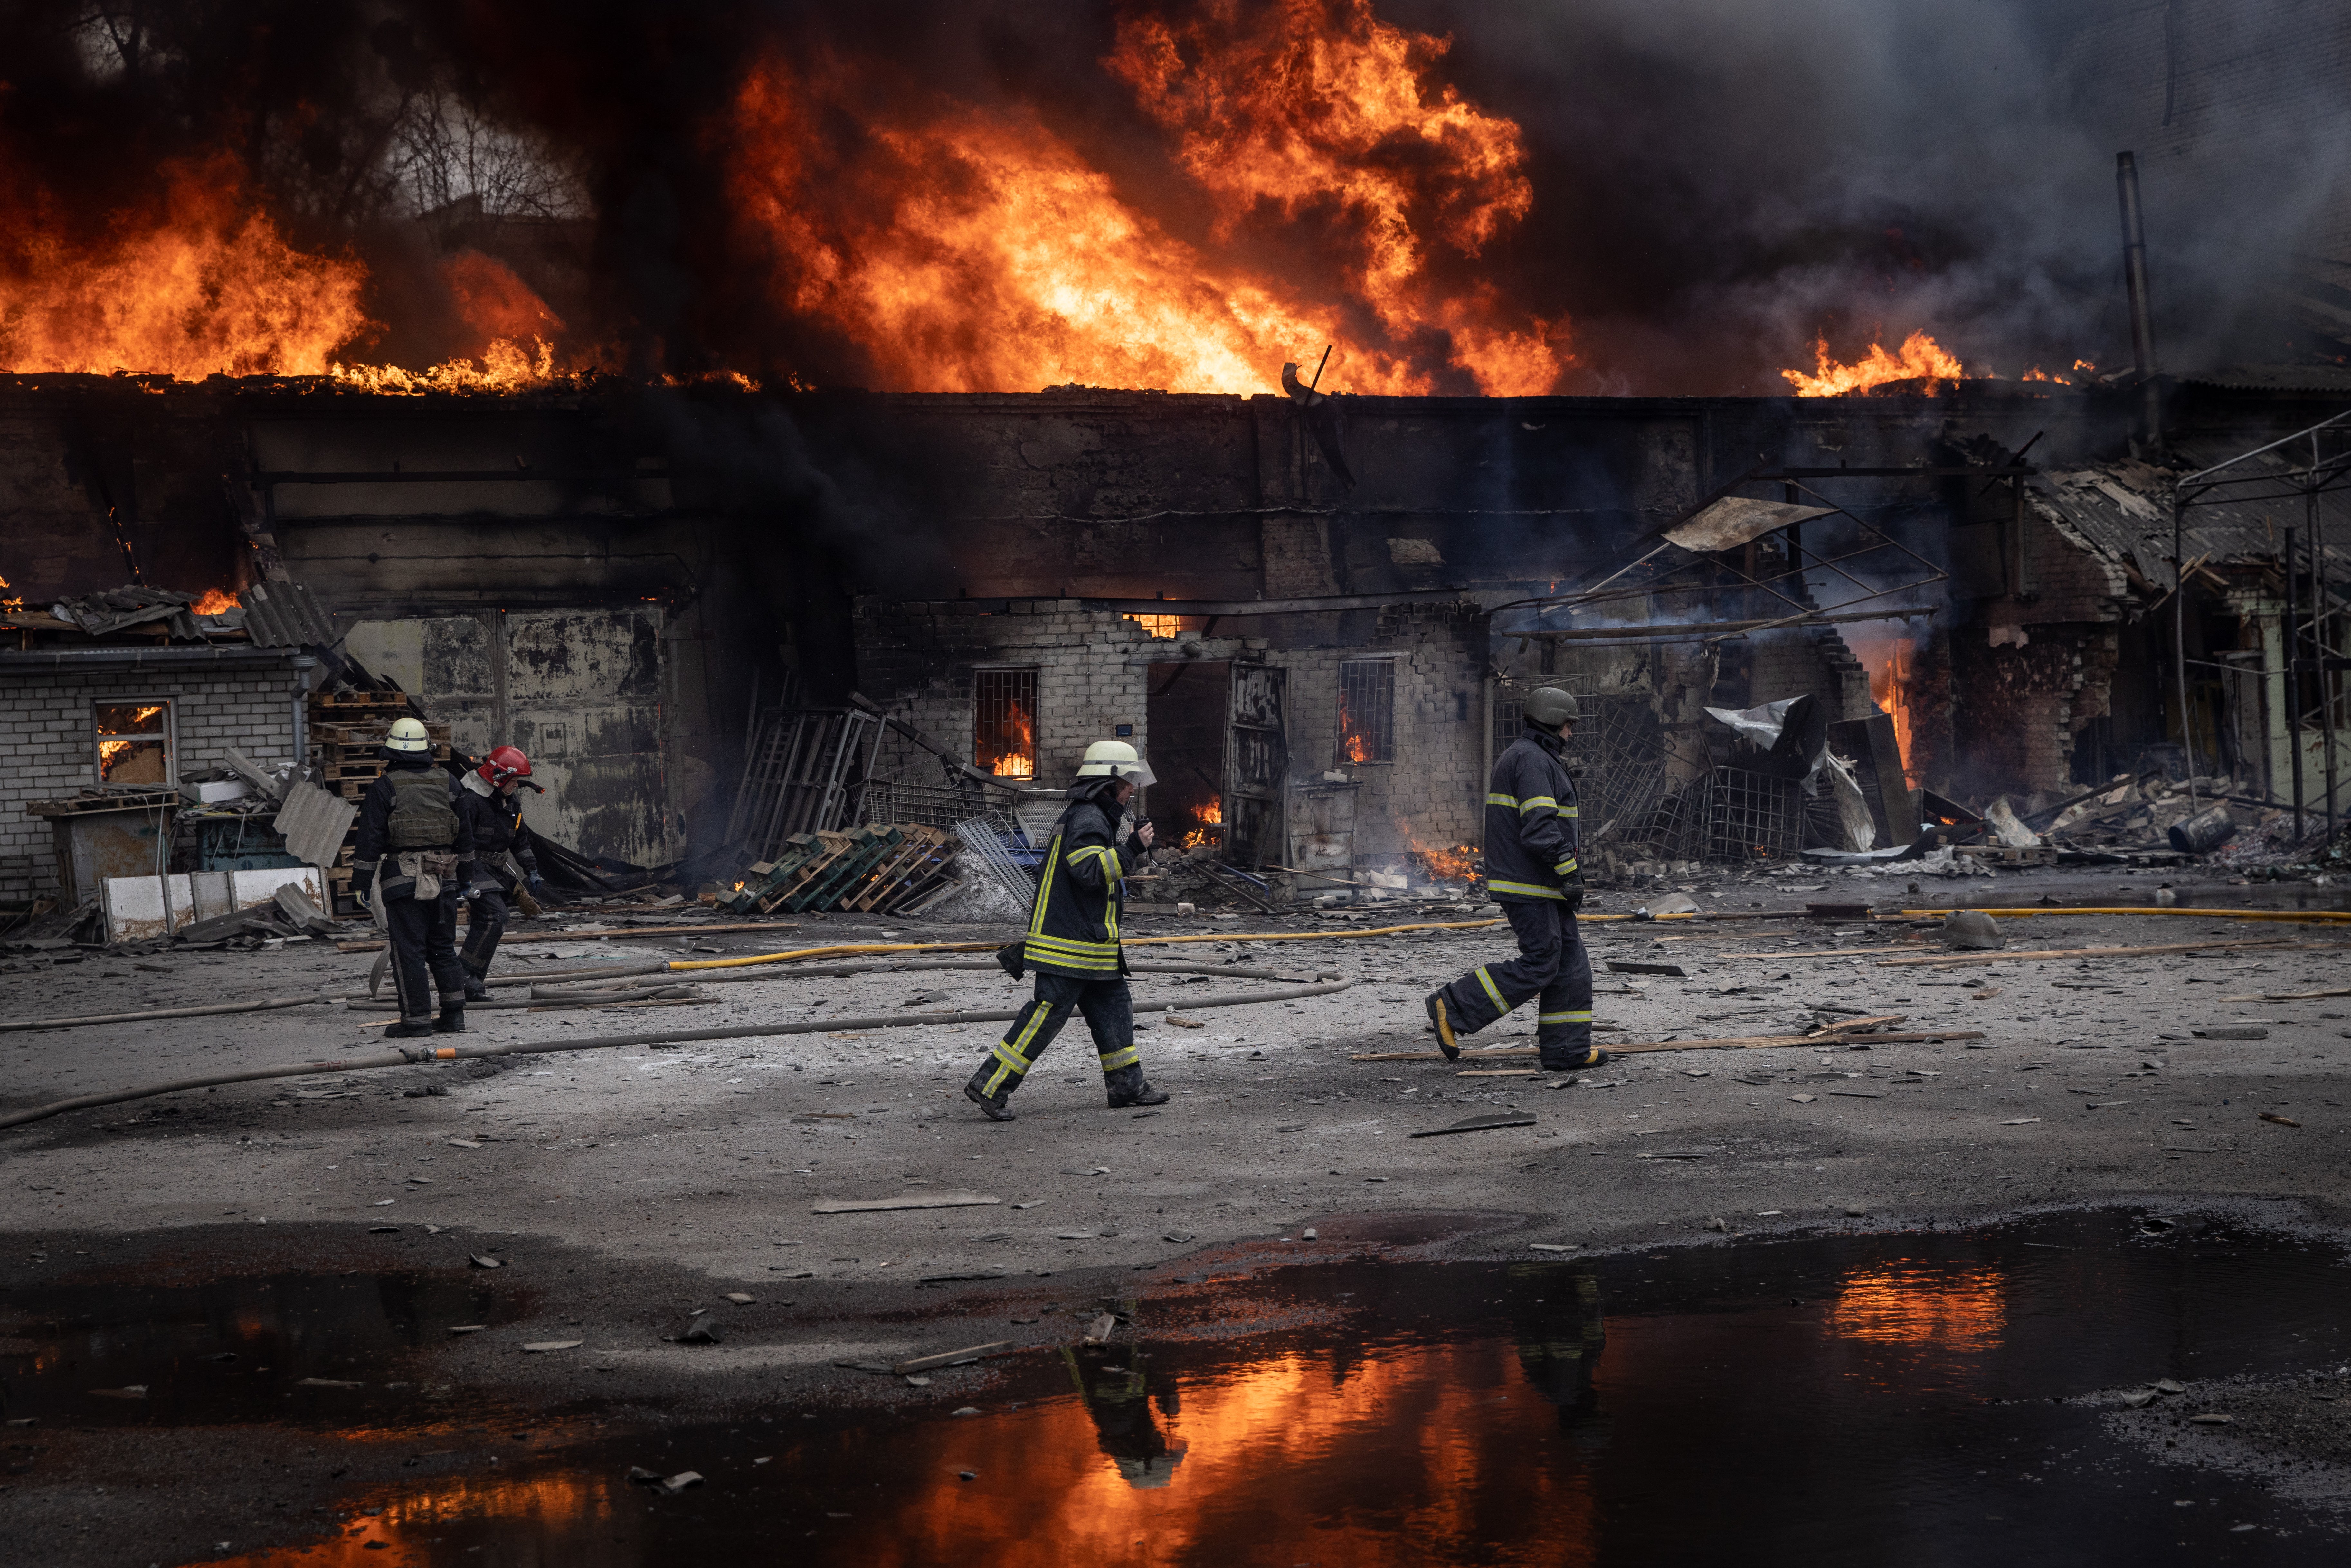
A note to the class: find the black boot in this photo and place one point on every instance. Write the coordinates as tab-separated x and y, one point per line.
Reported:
1127	1087
996	1106
409	1029
452	1019
1595	1057
476	991
1443	1025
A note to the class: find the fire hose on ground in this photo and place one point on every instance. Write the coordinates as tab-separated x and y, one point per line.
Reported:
1324	983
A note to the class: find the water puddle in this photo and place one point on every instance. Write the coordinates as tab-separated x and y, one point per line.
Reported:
1900	1398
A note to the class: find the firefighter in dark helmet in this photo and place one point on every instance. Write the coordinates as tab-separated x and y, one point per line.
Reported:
1072	941
1531	871
506	869
415	851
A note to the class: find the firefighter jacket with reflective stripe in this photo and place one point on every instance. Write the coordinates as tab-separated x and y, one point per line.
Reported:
1073	925
1531	821
375	835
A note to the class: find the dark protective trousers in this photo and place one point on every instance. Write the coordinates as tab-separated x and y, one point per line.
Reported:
1552	964
484	927
424	935
1108	1010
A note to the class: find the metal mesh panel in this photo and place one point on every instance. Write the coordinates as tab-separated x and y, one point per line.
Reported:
933	805
1367	710
999	849
1753	816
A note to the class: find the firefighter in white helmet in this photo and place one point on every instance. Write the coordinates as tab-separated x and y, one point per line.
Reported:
415	851
1072	941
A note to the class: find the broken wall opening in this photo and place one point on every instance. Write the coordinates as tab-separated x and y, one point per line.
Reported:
1185	720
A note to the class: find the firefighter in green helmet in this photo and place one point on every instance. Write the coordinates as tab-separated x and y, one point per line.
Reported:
1072	941
1532	871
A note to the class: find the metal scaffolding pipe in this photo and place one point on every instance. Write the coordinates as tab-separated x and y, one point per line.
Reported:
2142	316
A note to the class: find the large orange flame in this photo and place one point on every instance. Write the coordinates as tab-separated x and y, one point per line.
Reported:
1014	749
204	282
971	250
1921	359
1887	658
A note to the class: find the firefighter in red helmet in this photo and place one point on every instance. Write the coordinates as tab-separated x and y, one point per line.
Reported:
504	866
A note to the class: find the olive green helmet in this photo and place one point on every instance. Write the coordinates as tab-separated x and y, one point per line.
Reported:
1549	708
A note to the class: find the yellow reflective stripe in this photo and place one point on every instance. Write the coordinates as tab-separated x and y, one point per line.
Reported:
1072	945
1487	980
1524	890
1566	867
1012	1049
1501	799
1531	801
1045	888
1118	1059
1583	1016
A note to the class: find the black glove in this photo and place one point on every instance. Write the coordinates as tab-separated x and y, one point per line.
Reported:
1572	891
1014	957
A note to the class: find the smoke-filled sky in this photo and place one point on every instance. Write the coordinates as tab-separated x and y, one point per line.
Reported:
1617	196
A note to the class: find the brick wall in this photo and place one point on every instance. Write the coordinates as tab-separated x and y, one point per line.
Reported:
918	656
45	733
2019	708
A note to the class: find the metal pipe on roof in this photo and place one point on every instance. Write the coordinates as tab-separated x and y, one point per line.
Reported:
2142	318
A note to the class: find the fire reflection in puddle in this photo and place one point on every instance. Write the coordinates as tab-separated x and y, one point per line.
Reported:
1673	1407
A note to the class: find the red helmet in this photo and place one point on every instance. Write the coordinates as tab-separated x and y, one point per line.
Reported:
503	764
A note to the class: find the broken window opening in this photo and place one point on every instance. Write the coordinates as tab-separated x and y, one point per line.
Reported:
1367	710
1004	722
1168	626
132	740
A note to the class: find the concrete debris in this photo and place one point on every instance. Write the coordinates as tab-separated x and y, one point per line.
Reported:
1971	930
483	1260
1101	1329
2001	822
2280	1121
541	1346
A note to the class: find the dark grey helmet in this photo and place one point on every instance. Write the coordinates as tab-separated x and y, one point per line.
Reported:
1550	707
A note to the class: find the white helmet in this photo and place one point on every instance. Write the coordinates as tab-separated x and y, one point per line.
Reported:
1116	759
407	734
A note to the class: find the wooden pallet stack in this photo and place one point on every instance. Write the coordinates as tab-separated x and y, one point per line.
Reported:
895	870
347	735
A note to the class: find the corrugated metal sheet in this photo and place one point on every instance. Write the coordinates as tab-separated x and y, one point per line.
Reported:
286	615
313	823
2123	510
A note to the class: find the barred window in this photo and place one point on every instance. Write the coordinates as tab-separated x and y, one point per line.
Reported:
1004	722
1367	710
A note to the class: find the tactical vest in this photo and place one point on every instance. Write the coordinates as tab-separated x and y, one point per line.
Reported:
422	816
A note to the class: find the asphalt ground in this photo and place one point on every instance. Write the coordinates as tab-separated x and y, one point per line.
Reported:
620	1190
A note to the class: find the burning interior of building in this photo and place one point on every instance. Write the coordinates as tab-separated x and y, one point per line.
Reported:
562	475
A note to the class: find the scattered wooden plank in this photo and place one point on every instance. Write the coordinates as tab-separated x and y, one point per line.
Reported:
1478	1124
951	1357
1499	1072
2289	996
1945	960
903	1200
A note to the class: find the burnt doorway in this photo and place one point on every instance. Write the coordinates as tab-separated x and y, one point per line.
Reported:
1188	707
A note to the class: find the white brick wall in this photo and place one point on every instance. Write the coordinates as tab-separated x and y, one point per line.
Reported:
1093	673
44	734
